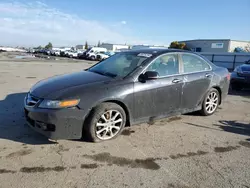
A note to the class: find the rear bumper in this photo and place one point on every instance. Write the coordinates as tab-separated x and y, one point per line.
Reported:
56	124
240	81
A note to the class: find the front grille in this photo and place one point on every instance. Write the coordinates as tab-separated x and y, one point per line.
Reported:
31	101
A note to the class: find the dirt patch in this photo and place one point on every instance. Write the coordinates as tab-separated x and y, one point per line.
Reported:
189	154
175	118
148	163
20	153
62	149
170	185
4	171
225	149
89	166
78	146
127	132
245	144
42	169
151	121
30	77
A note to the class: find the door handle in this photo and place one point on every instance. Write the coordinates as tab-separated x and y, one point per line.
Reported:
208	75
176	81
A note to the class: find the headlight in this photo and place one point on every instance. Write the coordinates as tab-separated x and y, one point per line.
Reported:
55	104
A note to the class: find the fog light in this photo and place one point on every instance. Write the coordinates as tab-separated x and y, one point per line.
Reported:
41	125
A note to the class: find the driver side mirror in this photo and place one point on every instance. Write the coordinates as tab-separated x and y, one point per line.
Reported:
149	75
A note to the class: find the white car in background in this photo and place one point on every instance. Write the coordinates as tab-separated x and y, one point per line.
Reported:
92	52
55	52
104	55
71	53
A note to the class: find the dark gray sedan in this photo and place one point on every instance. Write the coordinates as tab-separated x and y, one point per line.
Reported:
128	88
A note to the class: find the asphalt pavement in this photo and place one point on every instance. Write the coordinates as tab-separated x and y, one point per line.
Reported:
187	151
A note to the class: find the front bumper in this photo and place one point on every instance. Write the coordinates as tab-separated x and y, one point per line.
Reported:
240	80
56	124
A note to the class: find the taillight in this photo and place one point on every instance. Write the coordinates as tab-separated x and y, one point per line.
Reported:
228	76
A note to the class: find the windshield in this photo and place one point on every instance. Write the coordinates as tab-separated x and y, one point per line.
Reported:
247	62
119	65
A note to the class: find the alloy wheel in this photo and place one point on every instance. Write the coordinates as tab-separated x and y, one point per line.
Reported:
212	102
109	124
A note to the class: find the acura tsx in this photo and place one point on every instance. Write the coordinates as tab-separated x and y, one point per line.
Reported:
127	88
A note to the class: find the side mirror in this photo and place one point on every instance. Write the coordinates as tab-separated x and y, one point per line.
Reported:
149	75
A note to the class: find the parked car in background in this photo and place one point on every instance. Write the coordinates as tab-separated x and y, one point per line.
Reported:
47	52
104	55
71	54
55	52
128	88
240	77
91	53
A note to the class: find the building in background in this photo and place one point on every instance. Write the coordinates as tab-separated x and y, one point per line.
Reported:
80	47
217	45
114	47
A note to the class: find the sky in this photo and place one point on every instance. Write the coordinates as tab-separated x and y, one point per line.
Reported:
159	22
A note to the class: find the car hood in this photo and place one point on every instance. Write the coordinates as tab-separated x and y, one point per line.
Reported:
57	83
245	67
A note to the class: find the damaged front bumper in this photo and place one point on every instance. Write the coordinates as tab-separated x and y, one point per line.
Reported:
56	124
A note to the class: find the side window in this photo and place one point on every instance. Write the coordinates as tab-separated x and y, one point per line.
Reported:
165	65
193	63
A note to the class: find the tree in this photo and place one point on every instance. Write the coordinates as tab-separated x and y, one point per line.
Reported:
39	47
177	45
174	44
86	45
99	44
49	46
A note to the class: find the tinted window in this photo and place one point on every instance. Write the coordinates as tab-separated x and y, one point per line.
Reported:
193	63
165	65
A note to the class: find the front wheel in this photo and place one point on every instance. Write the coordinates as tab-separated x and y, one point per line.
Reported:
211	102
105	122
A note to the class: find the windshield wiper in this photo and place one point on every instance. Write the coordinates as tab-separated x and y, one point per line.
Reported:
104	73
110	74
97	72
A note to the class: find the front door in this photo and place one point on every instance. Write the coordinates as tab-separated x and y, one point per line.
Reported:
197	76
161	96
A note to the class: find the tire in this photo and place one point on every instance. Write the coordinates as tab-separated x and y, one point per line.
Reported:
92	58
207	111
90	127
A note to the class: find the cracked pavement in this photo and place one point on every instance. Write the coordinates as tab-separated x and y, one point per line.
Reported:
186	151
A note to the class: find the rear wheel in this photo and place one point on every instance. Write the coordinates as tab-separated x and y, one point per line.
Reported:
105	122
92	57
211	102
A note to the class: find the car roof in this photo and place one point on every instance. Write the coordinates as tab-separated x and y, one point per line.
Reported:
155	51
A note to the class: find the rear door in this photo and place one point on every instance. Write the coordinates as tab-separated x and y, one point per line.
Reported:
197	77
